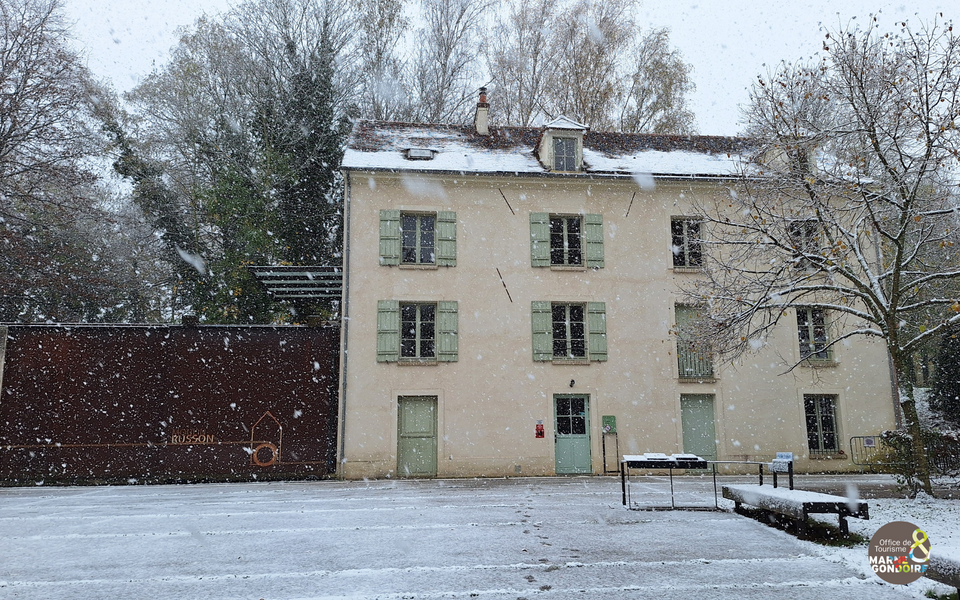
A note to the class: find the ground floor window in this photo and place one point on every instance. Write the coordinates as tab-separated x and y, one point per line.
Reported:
821	417
569	331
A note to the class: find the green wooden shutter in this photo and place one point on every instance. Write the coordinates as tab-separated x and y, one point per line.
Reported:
447	326
597	329
390	237
540	239
542	318
593	236
446	239
388	330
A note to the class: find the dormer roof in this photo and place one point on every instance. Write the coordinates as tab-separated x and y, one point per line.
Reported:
563	122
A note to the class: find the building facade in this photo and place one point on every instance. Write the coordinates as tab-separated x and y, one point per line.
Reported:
512	308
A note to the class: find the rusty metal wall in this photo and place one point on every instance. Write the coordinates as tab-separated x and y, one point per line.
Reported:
83	403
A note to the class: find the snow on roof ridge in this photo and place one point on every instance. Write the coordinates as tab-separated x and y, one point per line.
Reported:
564	122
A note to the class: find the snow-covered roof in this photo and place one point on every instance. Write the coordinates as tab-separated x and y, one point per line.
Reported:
563	122
377	145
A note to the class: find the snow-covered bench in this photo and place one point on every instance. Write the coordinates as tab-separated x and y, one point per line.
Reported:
945	569
796	504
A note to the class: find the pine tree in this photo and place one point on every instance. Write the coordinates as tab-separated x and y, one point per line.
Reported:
945	390
310	148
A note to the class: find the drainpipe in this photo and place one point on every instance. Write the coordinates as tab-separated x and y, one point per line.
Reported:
344	322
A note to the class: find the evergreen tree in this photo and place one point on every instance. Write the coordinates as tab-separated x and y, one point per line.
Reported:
945	390
310	149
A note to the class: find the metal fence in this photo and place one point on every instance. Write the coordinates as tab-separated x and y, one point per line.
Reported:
873	451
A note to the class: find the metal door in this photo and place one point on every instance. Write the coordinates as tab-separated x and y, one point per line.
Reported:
417	436
572	434
697	422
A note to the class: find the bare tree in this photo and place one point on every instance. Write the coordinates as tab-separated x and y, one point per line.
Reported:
382	28
656	101
590	39
61	256
849	212
45	128
444	72
519	60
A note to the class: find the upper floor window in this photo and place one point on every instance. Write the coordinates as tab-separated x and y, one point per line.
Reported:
566	240
812	333
565	154
685	242
804	239
418	238
566	244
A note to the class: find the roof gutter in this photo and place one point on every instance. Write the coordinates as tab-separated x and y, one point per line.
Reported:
576	176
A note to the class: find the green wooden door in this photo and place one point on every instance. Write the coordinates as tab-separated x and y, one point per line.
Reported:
417	436
699	429
572	434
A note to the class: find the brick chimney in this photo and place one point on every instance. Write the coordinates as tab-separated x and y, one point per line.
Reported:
483	110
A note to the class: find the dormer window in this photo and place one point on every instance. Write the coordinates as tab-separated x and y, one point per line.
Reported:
564	154
561	146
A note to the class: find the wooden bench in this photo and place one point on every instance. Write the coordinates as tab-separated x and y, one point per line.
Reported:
796	504
944	569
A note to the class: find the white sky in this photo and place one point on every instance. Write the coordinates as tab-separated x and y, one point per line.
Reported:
729	42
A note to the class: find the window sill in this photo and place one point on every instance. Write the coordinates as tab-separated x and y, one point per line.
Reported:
710	379
687	269
571	361
419	267
828	363
415	362
568	268
838	455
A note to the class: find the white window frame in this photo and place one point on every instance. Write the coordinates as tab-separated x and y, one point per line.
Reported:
822	405
418	337
418	243
688	253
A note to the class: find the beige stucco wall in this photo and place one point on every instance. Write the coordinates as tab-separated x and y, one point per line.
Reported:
490	400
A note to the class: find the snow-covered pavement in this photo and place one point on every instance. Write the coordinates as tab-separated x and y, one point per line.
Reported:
517	538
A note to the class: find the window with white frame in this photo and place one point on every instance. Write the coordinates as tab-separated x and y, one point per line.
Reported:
418	239
812	332
804	238
418	332
820	411
558	240
566	240
565	154
685	242
569	331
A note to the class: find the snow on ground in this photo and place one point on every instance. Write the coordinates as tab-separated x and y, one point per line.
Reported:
938	518
550	538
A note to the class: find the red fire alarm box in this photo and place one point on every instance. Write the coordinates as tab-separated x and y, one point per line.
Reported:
540	429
